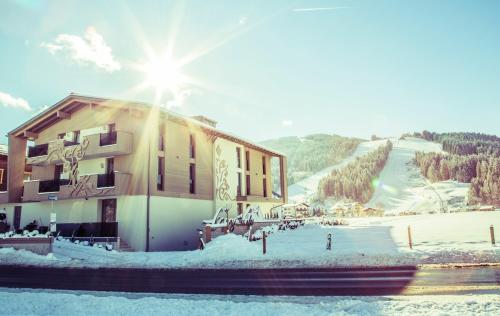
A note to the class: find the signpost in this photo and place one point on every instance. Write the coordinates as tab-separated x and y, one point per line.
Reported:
53	222
53	215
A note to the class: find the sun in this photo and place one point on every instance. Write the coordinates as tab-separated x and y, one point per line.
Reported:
163	74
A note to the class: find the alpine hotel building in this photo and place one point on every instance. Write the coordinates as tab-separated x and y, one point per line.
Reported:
133	170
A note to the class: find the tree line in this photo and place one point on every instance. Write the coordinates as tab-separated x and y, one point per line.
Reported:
354	181
308	155
472	158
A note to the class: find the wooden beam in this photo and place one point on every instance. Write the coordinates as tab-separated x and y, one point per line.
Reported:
63	115
31	135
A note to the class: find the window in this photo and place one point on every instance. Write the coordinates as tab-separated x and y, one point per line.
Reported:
263	164
58	170
76	137
192	180
160	177
3	186
247	160
238	188
161	139
111	128
248	184
238	157
192	146
61	136
264	187
110	165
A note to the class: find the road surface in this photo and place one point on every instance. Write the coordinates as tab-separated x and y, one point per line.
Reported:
324	281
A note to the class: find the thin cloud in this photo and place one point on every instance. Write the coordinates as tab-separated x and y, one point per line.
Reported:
319	9
91	49
286	123
243	20
12	102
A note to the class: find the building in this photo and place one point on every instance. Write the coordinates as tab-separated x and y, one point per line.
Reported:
4	153
134	170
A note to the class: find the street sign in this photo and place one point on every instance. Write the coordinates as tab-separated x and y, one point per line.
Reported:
52	197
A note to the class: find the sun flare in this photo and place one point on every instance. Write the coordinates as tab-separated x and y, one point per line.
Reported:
163	74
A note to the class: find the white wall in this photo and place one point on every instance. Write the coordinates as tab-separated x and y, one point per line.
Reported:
174	222
92	166
92	131
69	211
131	217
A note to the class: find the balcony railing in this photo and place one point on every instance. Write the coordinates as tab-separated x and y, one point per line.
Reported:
97	145
107	139
93	185
38	150
68	143
51	185
105	180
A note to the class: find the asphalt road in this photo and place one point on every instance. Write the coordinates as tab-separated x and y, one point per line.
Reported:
325	281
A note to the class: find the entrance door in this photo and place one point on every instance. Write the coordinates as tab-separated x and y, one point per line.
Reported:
109	227
108	211
17	216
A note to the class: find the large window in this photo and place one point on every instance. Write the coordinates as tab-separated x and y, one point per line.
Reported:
192	178
248	184
192	146
247	160
238	188
238	157
161	137
160	176
263	164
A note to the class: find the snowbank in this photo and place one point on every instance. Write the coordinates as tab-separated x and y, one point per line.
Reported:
437	239
81	303
403	188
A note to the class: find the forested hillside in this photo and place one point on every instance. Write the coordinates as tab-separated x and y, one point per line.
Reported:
354	181
308	155
473	158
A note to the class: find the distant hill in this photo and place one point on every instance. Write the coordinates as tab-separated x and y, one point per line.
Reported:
308	155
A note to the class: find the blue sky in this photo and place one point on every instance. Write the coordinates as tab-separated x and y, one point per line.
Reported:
264	69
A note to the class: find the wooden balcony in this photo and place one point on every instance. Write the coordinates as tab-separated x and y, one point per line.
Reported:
91	146
94	185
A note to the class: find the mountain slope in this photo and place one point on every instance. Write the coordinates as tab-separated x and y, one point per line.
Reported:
307	188
401	187
310	154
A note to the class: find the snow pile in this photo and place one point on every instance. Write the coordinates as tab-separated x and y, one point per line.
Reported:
25	234
306	188
401	187
437	238
80	303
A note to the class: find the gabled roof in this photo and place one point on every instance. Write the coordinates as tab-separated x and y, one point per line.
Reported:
75	102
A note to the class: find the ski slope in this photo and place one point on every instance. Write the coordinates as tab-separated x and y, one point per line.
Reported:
401	186
306	188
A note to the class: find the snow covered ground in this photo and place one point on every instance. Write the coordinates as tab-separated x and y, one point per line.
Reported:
437	239
302	190
84	303
403	188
